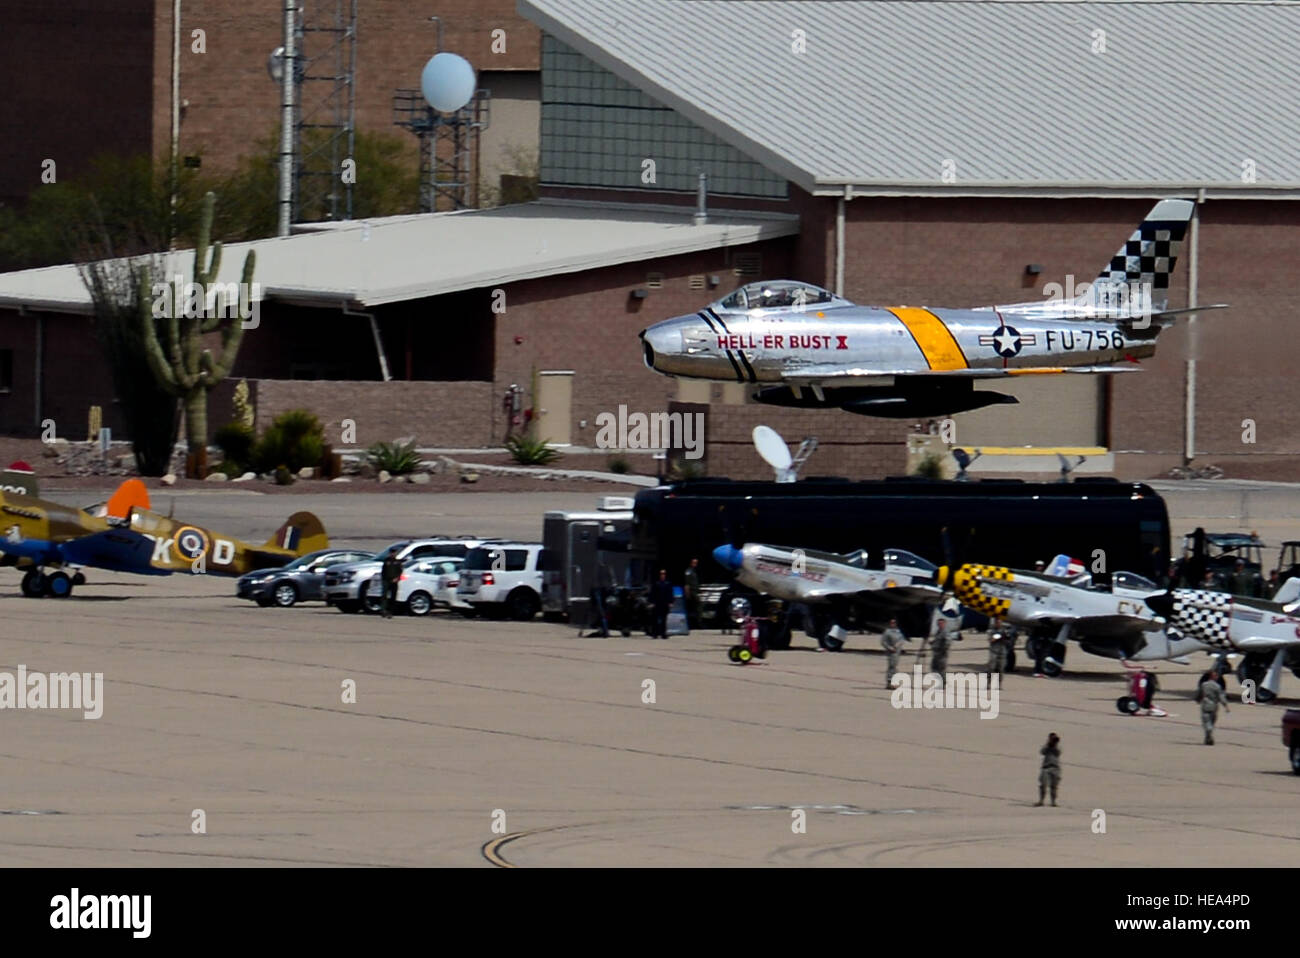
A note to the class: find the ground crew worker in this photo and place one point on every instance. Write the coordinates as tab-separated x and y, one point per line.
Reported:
892	640
1049	773
1211	696
1243	582
939	647
691	593
390	575
1001	639
661	600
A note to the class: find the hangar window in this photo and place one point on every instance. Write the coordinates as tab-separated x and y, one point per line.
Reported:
6	370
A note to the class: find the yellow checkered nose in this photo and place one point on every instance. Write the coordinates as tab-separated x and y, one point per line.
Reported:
942	575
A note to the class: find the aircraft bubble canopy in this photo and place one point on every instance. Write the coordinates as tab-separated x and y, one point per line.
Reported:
776	294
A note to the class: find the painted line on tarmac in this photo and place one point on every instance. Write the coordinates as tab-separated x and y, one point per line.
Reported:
492	850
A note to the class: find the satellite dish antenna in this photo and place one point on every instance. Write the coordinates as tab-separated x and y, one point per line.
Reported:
964	459
773	450
1067	468
448	82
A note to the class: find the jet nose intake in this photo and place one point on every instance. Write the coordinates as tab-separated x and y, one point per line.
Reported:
729	557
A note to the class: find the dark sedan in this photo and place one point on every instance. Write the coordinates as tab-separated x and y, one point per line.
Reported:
301	580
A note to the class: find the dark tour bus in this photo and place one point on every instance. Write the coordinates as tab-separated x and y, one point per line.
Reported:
997	521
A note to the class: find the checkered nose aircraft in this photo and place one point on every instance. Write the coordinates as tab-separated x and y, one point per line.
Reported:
1063	603
803	346
1266	632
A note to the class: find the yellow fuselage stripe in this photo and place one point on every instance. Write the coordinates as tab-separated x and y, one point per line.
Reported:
933	337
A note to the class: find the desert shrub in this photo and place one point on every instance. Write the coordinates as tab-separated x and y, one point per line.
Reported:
930	466
395	458
235	440
530	452
618	465
295	439
687	469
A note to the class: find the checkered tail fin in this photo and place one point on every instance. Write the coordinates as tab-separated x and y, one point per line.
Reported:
1137	277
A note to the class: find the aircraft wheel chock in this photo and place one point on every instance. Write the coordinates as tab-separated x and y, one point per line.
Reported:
33	584
58	585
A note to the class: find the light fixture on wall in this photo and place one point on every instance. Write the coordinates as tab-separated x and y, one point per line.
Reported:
639	293
1033	269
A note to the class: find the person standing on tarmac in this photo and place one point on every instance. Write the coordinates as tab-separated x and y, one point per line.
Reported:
691	593
390	575
661	600
1049	773
939	647
1001	638
892	640
1211	695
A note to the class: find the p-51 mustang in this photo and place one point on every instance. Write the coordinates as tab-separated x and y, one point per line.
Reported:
1267	632
1117	623
804	346
128	537
840	583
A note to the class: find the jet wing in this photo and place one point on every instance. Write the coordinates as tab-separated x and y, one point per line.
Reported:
117	550
843	376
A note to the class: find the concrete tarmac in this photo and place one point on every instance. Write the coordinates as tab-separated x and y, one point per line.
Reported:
473	743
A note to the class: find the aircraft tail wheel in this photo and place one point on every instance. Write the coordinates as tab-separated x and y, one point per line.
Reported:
33	584
58	585
1127	704
744	655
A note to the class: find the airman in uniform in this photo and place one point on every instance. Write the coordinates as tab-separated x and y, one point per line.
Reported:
1211	695
892	639
1002	638
939	644
1049	773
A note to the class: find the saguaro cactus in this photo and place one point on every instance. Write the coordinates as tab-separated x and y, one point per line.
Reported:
182	366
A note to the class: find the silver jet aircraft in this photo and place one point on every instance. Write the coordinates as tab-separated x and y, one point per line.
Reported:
839	581
806	347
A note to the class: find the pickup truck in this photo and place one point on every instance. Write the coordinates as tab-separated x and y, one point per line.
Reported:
1291	736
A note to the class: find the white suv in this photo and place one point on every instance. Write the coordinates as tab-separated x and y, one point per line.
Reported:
504	578
343	583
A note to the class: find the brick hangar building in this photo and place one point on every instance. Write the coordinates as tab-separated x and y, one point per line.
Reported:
939	154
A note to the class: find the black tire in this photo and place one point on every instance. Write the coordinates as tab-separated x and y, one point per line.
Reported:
831	644
1126	704
419	603
33	584
78	579
285	595
1052	669
58	585
1295	757
350	606
733	653
523	604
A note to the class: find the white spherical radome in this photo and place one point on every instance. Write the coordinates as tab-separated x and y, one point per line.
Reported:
448	82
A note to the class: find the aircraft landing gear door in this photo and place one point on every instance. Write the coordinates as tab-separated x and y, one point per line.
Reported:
554	403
